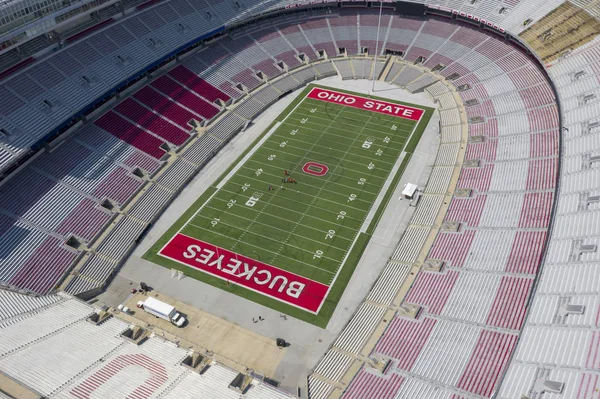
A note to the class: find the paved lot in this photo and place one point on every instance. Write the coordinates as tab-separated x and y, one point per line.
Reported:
231	344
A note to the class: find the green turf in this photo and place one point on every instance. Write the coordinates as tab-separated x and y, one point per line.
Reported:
307	228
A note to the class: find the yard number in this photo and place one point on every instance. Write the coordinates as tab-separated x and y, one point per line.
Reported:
293	132
258	172
371	166
386	139
379	152
272	157
245	186
394	127
303	120
318	253
215	221
352	197
361	181
252	200
330	234
231	203
313	110
342	215
368	142
283	144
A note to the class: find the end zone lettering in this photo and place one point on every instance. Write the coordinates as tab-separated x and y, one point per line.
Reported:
383	107
259	277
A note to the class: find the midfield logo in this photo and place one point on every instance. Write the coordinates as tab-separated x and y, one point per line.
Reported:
316	169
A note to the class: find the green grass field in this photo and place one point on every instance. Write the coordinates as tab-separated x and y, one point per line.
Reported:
316	228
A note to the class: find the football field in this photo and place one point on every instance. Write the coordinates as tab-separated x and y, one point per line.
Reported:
286	225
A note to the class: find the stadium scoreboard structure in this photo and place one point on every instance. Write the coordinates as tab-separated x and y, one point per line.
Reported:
286	225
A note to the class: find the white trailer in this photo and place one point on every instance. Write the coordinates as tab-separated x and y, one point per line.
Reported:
163	310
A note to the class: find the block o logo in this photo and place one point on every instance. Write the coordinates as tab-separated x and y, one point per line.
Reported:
314	168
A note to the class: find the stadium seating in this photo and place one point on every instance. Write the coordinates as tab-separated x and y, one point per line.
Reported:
55	327
494	256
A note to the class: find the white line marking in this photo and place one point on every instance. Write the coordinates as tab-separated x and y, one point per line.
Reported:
248	155
225	180
300	192
326	154
276	228
264	249
329	191
367	219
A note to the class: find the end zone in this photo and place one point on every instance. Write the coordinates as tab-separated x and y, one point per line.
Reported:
354	101
265	279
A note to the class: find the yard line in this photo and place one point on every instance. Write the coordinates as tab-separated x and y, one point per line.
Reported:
366	221
261	248
315	126
285	242
308	130
374	146
327	181
301	202
312	196
291	210
400	129
306	127
277	217
385	118
380	134
306	176
353	110
249	154
400	126
394	139
257	216
277	148
309	176
369	173
276	228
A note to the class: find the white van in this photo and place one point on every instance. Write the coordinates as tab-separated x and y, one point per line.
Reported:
162	310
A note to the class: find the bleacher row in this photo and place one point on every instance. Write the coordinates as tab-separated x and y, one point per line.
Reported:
559	341
97	268
350	346
45	94
122	149
479	60
81	353
490	246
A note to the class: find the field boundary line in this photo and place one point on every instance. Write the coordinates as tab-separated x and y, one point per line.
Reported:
371	212
249	155
321	188
236	167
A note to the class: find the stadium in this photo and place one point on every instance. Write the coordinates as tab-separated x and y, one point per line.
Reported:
272	199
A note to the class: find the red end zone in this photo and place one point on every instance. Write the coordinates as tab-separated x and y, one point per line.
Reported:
383	107
259	277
